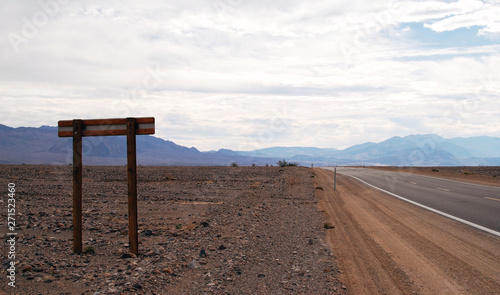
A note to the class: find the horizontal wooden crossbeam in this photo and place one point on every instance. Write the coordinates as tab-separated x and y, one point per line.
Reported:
107	127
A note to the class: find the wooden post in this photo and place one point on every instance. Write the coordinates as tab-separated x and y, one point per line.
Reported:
335	180
132	187
105	127
77	186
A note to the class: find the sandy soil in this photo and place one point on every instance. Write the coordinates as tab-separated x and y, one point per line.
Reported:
485	175
387	246
202	230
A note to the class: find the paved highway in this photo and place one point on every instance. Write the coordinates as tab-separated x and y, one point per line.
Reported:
477	204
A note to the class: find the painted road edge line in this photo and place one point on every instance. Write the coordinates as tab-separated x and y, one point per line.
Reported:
432	209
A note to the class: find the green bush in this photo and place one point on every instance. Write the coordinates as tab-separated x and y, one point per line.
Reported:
284	163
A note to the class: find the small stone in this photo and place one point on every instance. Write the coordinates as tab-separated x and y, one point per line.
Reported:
137	286
194	264
129	255
203	253
48	279
148	232
222	247
26	268
76	275
261	275
168	270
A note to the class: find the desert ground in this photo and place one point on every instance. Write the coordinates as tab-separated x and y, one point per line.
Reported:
202	230
238	230
401	248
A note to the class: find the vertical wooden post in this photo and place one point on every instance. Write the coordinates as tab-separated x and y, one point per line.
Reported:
132	187
335	180
77	186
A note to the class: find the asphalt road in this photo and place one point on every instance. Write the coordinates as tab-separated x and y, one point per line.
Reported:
477	204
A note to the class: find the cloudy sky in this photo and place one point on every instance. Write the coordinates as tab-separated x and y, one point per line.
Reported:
244	74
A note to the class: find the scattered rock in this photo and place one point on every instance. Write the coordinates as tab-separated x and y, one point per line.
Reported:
203	253
129	255
216	247
168	270
194	264
48	279
26	268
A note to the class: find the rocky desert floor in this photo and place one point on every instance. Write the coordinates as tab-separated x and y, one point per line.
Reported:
237	230
202	230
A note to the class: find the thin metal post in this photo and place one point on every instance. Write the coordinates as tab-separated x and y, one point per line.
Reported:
335	179
132	187
77	186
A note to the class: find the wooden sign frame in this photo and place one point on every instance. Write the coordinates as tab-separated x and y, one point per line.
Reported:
106	127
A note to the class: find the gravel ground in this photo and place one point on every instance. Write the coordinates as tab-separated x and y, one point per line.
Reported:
202	230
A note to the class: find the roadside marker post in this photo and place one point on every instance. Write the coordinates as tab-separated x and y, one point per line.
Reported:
335	179
106	127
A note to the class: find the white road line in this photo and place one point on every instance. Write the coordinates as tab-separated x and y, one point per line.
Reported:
433	210
492	199
442	189
413	182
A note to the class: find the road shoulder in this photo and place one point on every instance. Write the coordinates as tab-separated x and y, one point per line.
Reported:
385	245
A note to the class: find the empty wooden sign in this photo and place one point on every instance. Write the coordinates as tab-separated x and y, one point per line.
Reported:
105	127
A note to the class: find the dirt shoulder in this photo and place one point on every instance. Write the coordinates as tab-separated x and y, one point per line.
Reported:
206	230
485	175
387	246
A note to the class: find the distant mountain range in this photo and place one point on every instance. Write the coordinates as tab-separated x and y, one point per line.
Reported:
412	150
41	145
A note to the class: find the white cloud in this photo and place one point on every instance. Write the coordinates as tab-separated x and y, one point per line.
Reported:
223	73
488	17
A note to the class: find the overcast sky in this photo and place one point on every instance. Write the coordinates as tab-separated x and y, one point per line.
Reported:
244	74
